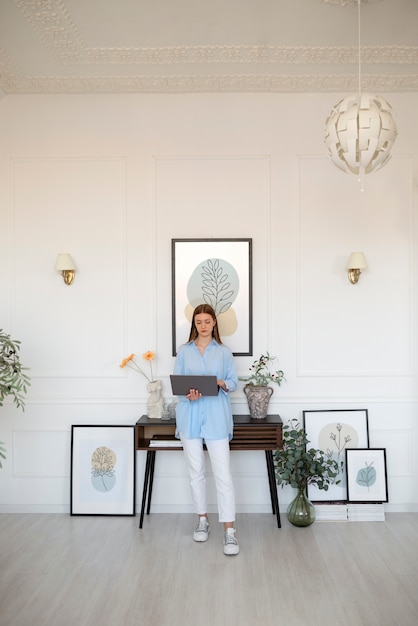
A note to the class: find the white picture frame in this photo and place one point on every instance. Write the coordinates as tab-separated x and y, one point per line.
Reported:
217	272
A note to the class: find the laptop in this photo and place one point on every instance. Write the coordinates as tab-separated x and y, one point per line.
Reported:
206	385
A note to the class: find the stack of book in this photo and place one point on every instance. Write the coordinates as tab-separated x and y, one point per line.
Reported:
370	512
164	441
331	512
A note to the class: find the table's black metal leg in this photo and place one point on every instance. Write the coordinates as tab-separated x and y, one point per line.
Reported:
271	482
273	486
151	480
145	490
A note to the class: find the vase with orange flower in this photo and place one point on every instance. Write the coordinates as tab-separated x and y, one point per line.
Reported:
155	402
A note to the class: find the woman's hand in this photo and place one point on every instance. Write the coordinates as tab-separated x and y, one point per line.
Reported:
222	385
194	395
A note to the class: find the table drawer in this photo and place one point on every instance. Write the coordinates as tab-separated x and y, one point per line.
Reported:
264	437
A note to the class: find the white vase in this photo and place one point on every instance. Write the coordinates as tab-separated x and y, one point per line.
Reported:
155	403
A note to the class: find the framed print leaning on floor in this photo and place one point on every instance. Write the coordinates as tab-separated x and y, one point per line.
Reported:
366	475
217	272
333	431
102	470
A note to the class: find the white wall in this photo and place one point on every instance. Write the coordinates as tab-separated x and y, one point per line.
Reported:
112	179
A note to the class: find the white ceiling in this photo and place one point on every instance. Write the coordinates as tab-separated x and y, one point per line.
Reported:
174	46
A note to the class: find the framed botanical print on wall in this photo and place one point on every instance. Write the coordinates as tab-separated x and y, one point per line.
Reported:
217	272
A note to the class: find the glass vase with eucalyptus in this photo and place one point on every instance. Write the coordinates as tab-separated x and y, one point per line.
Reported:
298	465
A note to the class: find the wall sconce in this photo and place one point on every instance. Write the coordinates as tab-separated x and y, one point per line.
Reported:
65	265
356	263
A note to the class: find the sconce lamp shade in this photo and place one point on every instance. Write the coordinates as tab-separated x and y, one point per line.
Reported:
359	133
357	261
65	265
64	262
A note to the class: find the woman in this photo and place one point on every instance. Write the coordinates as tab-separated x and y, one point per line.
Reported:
208	420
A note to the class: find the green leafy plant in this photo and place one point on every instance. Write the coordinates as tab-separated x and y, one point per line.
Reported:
262	372
299	466
13	380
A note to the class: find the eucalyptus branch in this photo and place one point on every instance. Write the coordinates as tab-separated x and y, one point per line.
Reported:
298	465
13	380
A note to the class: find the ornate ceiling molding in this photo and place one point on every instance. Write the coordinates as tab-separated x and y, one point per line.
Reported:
194	83
344	3
54	26
259	68
294	55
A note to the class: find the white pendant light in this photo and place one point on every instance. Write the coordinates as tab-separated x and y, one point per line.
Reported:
360	129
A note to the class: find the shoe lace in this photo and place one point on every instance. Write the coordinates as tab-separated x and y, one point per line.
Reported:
202	525
230	538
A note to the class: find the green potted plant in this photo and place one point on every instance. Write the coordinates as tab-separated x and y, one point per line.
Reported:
257	389
298	465
13	380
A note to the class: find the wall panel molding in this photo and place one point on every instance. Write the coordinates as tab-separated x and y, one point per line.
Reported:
351	321
40	453
52	214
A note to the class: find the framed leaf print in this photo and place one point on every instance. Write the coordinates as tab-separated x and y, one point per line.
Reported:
366	475
217	272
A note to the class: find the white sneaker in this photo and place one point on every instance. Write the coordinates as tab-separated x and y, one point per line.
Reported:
202	530
231	545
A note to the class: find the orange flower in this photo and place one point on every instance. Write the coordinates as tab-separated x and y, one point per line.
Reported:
126	361
130	362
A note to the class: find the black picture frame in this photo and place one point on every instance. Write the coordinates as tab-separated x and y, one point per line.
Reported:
333	430
218	272
366	475
102	470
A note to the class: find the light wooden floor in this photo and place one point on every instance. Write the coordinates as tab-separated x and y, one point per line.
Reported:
58	570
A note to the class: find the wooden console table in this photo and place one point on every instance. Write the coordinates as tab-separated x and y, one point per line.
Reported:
249	434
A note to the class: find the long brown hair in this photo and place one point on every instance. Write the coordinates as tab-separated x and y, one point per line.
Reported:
204	308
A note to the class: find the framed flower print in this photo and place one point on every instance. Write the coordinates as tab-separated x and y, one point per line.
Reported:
333	431
102	470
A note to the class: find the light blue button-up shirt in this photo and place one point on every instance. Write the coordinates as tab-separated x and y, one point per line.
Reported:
209	417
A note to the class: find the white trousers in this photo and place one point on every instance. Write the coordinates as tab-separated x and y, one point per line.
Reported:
220	461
